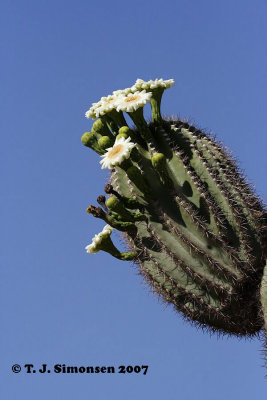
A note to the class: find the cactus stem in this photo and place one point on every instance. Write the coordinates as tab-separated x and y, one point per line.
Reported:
97	212
102	202
111	124
109	247
118	118
155	102
141	124
109	190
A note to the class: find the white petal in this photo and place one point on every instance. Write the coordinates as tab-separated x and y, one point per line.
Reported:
150	85
133	101
110	160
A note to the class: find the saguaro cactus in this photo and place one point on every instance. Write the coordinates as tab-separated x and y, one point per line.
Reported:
190	219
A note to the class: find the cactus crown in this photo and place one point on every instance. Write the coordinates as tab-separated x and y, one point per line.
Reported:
193	223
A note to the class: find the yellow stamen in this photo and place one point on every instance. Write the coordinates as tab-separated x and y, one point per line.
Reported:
115	151
131	98
108	102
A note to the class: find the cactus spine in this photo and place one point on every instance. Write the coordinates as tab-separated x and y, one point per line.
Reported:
193	224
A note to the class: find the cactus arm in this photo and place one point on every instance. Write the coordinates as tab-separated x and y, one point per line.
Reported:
192	222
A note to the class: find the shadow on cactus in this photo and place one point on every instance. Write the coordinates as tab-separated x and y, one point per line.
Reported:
192	222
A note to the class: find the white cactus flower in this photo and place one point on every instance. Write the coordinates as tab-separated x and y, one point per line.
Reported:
97	239
140	84
117	153
90	113
128	99
106	104
122	91
107	229
133	101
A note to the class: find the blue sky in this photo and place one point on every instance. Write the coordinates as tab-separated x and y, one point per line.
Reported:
59	304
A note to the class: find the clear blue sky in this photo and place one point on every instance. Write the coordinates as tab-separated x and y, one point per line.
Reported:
59	304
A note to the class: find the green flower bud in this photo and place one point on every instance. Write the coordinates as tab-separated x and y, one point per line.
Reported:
125	130
120	135
113	203
88	139
159	161
100	128
105	142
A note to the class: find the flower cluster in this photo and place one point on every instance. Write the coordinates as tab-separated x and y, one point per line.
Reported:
94	247
120	102
118	145
110	111
129	99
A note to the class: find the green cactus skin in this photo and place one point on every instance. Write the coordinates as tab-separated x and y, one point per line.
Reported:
194	224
